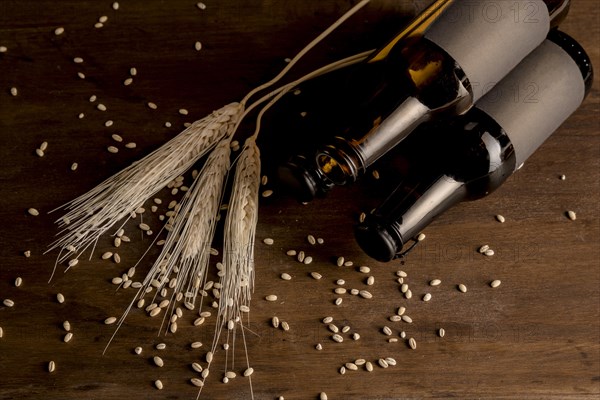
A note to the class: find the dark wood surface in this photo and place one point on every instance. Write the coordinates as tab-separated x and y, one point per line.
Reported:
536	336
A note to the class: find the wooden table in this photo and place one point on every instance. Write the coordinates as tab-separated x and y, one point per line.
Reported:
536	336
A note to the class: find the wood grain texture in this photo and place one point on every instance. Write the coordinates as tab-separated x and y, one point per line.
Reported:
536	336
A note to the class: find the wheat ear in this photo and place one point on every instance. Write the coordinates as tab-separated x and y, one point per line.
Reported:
94	213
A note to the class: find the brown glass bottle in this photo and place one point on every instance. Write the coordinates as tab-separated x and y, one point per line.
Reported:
438	66
478	151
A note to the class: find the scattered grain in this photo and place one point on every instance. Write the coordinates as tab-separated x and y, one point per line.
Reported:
27	253
427	297
340	261
571	215
435	282
66	326
131	145
18	281
316	275
462	288
267	193
158	361
201	6
337	338
489	252
115	6
133	71
34	212
387	330
365	294
271	297
128	81
286	277
311	239
268	241
110	320
500	218
152	105
112	149
327	320
67	338
59	31
370	280
441	332
158	383
382	363
495	283
51	366
364	269
8	303
60	298
338	301
412	343
74	166
198	46
81	75
484	248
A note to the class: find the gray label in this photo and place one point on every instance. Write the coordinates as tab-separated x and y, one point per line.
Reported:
535	98
489	38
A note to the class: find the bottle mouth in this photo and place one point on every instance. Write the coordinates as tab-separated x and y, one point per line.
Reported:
378	241
336	162
301	179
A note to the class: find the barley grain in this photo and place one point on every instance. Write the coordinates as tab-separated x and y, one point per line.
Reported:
285	326
133	71
351	366
339	290
60	298
59	31
103	19
370	280
484	248
311	239
158	383
107	255
131	145
354	292
128	81
340	282
98	25
267	193
158	361
323	396
39	153
112	149
116	258
198	46
407	319
327	320
51	366
319	346
495	283
8	303
427	297
337	338
66	326
291	252
271	297
500	218
362	217
364	269
67	338
340	261
108	123
1	332
489	252
382	363
18	281
401	311
301	256
441	332
3	49
197	382
333	328
412	343
342	370
315	275
404	288
115	6
80	115
308	260
74	166
110	320
33	212
209	357
387	331
201	6
152	105
286	277
355	336
435	282
197	367
572	215
268	241
275	322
